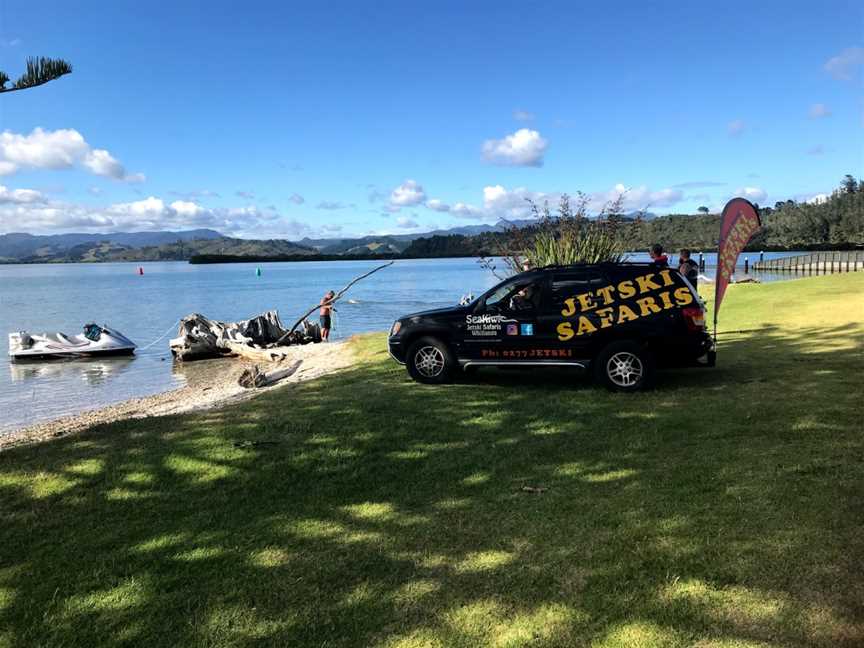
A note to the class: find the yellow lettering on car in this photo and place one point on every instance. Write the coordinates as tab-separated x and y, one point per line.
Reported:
586	302
626	314
606	293
569	307
585	326
606	317
647	305
645	283
565	331
683	296
667	278
667	302
626	289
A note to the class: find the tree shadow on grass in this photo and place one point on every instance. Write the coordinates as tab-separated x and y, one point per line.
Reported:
515	509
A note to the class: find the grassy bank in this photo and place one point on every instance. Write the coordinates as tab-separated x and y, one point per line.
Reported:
516	509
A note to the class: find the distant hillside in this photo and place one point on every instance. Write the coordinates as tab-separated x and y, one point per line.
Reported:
382	244
167	246
366	245
32	247
836	222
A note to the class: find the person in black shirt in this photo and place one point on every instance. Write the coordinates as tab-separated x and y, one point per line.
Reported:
688	267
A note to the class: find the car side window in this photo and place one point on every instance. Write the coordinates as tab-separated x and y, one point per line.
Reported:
570	283
516	297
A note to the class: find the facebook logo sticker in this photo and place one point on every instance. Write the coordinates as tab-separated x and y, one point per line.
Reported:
527	329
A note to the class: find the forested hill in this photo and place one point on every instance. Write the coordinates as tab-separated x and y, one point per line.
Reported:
836	223
108	248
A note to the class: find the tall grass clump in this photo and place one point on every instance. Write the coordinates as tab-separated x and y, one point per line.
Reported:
563	238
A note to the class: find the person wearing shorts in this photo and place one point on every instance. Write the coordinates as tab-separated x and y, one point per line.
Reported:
326	315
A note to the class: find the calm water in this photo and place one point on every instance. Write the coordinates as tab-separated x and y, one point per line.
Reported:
64	297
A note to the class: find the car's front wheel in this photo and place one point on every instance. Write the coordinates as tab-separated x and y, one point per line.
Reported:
624	367
430	361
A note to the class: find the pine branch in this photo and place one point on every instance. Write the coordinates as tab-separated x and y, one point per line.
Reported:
39	71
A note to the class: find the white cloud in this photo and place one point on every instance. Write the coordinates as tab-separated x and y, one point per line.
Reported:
462	210
59	149
403	222
501	203
437	205
330	205
515	204
818	199
633	198
819	110
186	208
27	209
408	193
523	115
525	147
297	199
248	195
19	196
843	67
102	163
756	194
736	127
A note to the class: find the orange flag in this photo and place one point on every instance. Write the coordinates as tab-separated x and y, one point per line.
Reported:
739	222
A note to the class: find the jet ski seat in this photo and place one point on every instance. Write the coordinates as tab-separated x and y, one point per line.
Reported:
62	338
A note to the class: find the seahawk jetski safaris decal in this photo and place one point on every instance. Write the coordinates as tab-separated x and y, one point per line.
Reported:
619	303
487	325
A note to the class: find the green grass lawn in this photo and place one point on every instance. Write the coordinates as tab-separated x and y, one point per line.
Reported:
724	508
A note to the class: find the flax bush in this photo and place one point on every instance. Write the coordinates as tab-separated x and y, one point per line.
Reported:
566	237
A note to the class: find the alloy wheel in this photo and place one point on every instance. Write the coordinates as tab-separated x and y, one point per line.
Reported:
429	361
624	369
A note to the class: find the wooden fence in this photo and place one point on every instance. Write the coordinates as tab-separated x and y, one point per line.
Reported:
819	262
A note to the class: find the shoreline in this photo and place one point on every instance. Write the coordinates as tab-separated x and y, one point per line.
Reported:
208	390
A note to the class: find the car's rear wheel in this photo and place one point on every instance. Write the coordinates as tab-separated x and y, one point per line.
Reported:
430	361
624	367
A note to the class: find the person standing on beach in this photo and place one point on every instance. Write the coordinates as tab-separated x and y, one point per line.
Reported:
657	257
325	313
688	267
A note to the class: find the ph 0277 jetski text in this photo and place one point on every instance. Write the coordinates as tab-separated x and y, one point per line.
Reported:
606	303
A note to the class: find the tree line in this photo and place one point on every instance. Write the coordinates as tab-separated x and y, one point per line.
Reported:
837	222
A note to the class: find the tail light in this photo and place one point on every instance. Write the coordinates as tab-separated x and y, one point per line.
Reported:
694	318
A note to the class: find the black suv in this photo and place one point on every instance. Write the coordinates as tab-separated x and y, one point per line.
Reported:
620	319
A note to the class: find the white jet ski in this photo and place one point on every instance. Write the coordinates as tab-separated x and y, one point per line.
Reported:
96	340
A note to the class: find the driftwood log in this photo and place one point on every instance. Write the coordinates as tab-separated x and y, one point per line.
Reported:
254	377
257	338
336	298
261	339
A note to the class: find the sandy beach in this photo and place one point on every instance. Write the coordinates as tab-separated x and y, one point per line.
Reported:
212	385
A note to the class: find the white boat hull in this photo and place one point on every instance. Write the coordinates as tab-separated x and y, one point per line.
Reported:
47	346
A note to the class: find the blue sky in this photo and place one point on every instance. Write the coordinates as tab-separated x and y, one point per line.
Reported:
287	120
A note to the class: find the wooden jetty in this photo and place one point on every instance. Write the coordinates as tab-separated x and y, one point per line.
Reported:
815	262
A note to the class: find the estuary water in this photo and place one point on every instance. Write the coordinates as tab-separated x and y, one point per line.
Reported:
64	297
